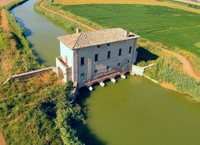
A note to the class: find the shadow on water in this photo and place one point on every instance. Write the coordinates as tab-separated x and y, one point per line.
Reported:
27	33
84	133
145	55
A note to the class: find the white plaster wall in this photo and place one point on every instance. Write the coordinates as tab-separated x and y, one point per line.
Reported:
89	55
65	51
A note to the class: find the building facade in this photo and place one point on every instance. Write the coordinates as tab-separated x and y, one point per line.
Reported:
88	57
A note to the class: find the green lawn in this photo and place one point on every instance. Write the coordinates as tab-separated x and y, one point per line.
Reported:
172	27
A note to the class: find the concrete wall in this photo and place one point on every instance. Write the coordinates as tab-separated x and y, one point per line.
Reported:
89	55
30	74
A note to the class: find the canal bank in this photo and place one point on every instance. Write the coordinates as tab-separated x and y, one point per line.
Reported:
40	31
122	102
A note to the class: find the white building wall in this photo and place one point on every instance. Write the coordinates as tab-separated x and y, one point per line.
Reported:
68	57
125	60
65	51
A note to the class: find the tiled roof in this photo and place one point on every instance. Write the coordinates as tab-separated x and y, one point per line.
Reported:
92	38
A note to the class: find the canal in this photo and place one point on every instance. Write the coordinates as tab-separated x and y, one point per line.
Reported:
39	31
134	111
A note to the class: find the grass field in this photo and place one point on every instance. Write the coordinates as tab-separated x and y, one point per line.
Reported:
175	28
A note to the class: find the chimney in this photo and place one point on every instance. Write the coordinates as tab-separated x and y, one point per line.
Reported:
126	33
78	30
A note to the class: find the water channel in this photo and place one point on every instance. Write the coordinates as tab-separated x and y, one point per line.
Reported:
134	111
40	32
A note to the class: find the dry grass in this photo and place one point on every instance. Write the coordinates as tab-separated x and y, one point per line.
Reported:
4	20
74	2
143	2
2	140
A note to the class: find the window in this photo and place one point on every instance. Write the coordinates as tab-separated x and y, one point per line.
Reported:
128	61
82	60
108	55
107	67
96	57
130	48
108	44
98	46
95	71
118	64
120	52
82	74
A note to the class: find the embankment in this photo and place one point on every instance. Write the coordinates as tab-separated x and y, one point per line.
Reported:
171	68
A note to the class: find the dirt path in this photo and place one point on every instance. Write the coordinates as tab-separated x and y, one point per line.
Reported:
5	2
66	17
4	21
187	67
189	2
2	140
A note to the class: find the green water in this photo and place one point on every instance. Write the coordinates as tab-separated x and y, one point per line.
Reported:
40	32
138	112
134	111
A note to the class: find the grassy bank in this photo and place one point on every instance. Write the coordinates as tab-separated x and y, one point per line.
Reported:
38	112
167	69
16	56
34	111
67	25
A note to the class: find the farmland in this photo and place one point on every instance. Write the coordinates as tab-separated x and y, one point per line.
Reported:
174	28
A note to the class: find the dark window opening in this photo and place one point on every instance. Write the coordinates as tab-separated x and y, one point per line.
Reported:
120	52
95	71
128	61
108	44
82	60
118	64
82	74
108	55
98	46
96	57
130	48
107	67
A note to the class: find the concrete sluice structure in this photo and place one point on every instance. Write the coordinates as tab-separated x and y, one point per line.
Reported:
95	56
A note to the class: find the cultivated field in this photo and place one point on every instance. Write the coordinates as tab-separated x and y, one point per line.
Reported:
167	3
172	27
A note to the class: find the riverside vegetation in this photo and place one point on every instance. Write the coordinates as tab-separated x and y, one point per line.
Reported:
34	111
168	68
37	111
